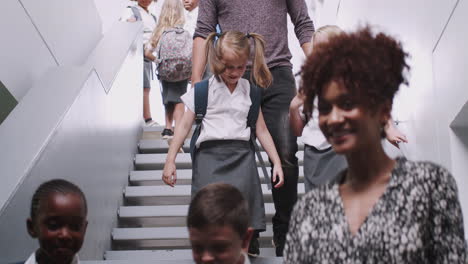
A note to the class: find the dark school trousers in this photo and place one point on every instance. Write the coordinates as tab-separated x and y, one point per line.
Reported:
275	108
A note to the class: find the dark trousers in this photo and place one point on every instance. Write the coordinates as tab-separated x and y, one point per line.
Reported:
275	108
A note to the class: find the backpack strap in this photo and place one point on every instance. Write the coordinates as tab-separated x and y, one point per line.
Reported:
201	103
256	99
254	111
136	13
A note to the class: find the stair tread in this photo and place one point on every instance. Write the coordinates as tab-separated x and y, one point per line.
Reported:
163	233
183	160
178	190
171	254
158	145
166	210
182	174
162	145
257	260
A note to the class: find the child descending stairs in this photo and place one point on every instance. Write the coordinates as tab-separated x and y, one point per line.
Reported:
152	221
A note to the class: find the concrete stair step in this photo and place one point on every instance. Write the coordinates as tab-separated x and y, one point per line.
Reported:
178	195
163	216
162	146
153	128
183	160
172	255
158	146
257	260
164	237
184	176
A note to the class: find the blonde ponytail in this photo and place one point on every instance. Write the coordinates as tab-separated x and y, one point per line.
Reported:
260	71
213	53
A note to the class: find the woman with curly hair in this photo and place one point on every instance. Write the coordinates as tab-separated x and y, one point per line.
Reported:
380	210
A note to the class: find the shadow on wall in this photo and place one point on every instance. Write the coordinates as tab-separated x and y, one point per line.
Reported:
7	102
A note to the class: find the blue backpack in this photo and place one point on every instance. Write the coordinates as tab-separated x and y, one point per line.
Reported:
201	102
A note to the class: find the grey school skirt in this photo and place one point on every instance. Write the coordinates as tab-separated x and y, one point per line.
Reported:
147	73
321	166
232	162
172	91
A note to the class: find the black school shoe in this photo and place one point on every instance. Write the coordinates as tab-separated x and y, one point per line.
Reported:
167	133
254	247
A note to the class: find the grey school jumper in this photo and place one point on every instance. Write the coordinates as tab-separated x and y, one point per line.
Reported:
265	17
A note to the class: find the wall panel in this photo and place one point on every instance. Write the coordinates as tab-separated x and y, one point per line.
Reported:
25	56
450	83
71	28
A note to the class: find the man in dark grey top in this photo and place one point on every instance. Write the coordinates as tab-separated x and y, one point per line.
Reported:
268	18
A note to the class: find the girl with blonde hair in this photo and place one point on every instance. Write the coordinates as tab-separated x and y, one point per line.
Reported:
224	151
170	24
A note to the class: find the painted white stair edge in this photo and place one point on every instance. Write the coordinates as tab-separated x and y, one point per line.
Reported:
162	254
182	174
160	158
178	190
167	211
147	145
162	233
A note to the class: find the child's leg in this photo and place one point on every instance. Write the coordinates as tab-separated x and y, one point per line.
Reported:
178	112
147	68
146	104
169	107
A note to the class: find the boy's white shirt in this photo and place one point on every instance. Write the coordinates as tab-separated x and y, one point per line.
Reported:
32	259
226	113
246	258
191	20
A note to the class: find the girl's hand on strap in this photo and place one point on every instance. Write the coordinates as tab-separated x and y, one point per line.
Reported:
278	176
169	174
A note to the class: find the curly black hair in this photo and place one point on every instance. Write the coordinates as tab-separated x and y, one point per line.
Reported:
371	66
53	186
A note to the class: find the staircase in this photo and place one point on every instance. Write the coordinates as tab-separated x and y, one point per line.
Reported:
152	221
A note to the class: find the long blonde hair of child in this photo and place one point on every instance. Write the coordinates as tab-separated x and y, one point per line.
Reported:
239	43
172	14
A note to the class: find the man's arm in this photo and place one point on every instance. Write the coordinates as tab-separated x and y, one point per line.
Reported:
206	24
306	48
303	25
198	59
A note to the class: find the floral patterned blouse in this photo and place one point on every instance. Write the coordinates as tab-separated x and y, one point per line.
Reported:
418	219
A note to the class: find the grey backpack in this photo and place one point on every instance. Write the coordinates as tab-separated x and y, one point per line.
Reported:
174	49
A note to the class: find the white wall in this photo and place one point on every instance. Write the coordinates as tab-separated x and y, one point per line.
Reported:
37	36
77	123
436	92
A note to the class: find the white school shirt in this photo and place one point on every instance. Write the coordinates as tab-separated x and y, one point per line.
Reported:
311	134
32	259
149	24
226	113
191	20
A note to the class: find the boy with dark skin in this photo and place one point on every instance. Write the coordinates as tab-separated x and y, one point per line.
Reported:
58	221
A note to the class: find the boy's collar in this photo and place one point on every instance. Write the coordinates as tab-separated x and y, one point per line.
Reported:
32	259
246	258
